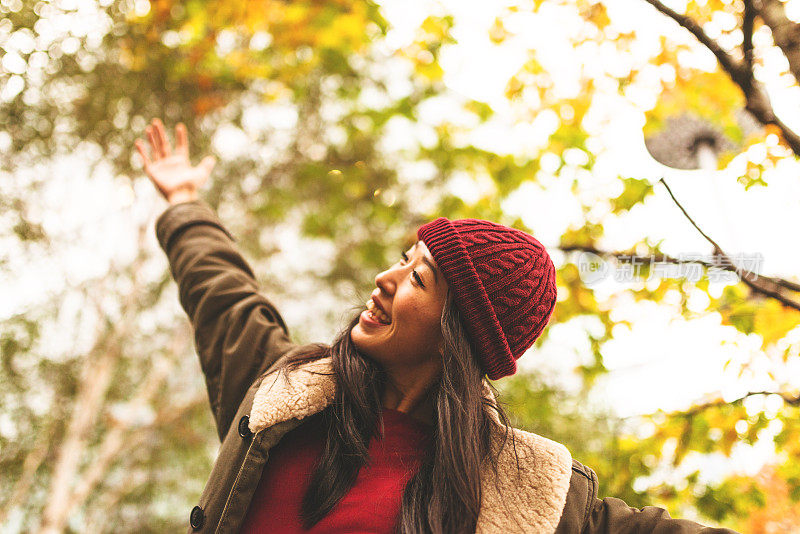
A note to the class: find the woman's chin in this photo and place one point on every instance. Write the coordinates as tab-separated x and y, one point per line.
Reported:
358	336
364	342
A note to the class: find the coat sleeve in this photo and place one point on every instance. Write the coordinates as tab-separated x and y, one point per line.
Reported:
611	515
238	332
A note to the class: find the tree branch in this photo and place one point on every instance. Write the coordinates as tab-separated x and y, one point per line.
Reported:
109	497
785	33
30	466
792	400
756	98
97	375
752	280
118	438
733	67
632	257
748	20
123	440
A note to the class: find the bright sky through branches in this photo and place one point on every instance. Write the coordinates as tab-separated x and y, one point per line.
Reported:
664	361
684	363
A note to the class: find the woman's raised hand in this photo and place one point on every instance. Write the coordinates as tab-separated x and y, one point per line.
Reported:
171	172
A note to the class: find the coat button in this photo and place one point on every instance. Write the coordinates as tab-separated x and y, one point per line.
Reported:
244	428
197	518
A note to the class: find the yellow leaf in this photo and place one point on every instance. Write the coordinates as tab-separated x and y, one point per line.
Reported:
773	321
498	32
597	15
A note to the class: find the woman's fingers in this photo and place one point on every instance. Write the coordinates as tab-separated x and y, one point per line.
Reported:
181	143
140	147
166	150
167	173
143	152
154	142
204	170
207	164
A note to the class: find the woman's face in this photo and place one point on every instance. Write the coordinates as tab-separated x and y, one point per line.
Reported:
412	292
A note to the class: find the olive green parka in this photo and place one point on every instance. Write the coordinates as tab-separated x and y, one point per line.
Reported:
239	338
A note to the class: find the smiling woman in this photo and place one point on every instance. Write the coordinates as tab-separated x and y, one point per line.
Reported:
408	346
394	426
423	362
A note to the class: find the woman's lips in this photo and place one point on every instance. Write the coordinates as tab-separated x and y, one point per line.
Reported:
367	319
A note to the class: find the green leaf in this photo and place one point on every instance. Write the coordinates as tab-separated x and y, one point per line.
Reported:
634	191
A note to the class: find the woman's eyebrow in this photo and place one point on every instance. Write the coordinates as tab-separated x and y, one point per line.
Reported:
430	264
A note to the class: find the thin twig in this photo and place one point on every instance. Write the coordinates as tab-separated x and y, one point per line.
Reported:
731	66
750	279
716	246
792	400
632	257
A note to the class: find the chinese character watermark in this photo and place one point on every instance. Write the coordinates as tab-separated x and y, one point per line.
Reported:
593	268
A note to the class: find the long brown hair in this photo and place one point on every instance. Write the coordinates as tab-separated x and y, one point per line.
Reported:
444	496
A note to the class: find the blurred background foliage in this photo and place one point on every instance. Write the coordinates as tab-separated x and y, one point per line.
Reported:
324	133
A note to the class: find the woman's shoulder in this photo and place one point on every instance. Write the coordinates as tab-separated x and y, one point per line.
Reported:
538	447
577	482
572	483
580	497
537	471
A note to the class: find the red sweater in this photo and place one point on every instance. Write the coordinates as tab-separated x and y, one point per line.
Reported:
373	503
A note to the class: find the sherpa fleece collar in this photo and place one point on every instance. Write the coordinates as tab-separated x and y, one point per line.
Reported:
530	500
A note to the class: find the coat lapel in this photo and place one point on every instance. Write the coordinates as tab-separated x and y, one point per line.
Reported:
528	500
298	394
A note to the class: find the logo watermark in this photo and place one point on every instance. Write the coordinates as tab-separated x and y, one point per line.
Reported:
593	268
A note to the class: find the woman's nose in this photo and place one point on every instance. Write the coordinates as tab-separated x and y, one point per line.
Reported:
386	280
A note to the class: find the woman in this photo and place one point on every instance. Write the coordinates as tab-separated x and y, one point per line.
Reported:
392	427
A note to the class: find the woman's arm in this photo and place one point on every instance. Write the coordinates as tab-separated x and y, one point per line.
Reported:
613	515
238	331
584	512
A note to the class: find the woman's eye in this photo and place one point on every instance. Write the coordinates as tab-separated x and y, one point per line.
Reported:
413	273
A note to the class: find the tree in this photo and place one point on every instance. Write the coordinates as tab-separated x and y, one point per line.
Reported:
745	34
116	423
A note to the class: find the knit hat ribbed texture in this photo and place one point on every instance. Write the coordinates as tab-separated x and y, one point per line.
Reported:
503	282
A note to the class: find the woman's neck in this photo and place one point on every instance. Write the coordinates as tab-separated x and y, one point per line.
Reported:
414	400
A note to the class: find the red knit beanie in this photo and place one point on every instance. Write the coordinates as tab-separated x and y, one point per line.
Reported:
504	284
